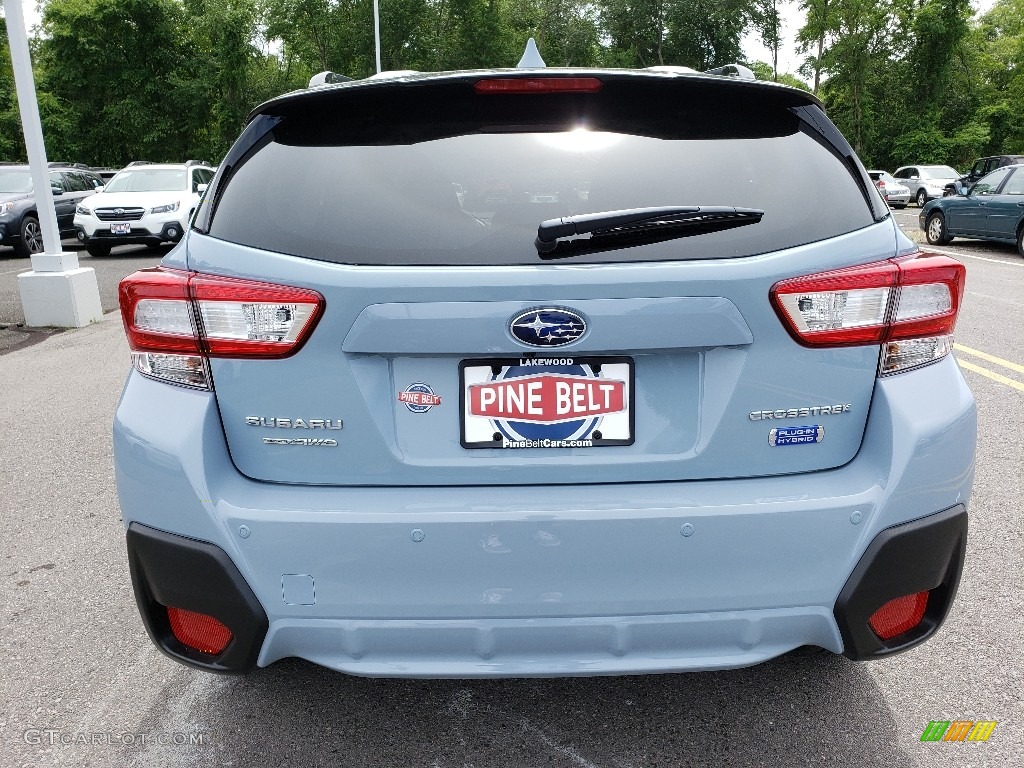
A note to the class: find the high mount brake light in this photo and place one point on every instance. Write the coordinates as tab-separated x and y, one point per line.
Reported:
909	305
174	320
538	85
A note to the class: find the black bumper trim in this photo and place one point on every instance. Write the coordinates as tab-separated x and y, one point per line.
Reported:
923	555
168	569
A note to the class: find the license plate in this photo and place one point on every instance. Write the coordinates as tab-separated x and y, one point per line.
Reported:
547	403
120	229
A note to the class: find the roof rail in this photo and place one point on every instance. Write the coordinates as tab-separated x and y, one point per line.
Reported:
195	162
61	164
392	73
673	68
139	162
326	78
732	70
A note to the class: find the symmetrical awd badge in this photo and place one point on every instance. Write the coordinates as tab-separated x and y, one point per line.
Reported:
547	327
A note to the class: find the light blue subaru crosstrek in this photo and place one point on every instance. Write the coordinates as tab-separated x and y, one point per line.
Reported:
542	372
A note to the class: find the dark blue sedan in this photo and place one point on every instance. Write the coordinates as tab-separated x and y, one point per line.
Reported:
991	209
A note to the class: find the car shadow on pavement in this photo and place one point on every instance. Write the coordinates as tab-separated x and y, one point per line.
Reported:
796	710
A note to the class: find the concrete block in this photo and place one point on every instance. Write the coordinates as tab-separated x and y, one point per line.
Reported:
68	299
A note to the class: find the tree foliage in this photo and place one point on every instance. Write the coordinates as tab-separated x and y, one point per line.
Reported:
120	80
11	144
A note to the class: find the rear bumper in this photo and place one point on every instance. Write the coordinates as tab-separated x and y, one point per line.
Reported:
197	576
562	580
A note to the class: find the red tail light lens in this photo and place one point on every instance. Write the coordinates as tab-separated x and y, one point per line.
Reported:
198	631
931	288
169	310
174	320
538	85
156	311
886	301
899	615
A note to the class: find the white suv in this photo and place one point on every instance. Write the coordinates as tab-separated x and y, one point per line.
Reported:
147	203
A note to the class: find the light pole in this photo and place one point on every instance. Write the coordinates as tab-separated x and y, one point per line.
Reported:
57	291
376	30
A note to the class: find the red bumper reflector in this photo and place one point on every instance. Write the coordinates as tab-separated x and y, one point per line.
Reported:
198	631
899	615
539	85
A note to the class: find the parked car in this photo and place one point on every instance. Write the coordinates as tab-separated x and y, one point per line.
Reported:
895	194
106	174
991	209
148	203
74	174
926	182
661	426
982	167
19	215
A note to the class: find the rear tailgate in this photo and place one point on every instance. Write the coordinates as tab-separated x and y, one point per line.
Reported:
434	363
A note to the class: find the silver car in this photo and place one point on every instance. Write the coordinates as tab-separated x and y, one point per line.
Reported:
892	191
926	182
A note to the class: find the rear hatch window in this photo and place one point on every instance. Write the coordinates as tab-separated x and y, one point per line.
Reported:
438	174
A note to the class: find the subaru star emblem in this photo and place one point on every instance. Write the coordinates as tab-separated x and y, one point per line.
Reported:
119	211
547	327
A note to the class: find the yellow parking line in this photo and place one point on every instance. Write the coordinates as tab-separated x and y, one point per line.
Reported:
991	375
990	358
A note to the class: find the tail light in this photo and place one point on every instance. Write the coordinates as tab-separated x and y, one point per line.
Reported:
198	631
175	320
899	615
907	305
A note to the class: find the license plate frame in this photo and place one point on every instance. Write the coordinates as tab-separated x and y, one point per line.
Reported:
120	228
615	428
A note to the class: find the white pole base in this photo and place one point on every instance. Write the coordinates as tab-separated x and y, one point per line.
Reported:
68	299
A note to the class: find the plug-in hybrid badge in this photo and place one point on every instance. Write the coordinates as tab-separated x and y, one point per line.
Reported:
547	327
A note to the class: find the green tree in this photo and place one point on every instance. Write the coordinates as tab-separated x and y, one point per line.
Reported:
566	31
999	84
113	69
769	25
764	71
699	33
225	73
12	144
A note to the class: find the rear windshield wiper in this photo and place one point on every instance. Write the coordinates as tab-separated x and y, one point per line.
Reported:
636	226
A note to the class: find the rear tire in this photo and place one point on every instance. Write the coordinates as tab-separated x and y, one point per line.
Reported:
935	230
31	240
98	249
1020	241
922	198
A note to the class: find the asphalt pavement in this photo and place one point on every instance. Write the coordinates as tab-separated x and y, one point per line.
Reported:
82	685
122	261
